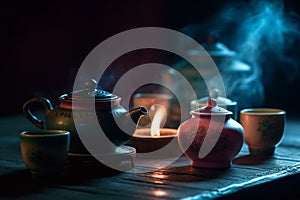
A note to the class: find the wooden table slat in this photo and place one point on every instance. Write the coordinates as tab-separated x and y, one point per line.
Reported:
174	181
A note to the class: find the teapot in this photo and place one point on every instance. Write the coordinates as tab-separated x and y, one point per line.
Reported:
211	138
75	105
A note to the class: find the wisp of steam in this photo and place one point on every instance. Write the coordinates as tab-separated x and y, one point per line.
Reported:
264	35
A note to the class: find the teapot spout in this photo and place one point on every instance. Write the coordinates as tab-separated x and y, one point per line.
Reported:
137	113
126	125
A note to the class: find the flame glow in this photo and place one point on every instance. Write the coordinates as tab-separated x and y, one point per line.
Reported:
159	193
159	117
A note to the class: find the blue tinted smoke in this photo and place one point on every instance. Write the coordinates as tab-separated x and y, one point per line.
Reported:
265	34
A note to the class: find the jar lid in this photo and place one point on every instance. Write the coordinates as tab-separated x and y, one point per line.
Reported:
211	109
91	92
221	101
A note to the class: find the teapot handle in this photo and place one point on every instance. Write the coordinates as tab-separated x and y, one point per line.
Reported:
26	110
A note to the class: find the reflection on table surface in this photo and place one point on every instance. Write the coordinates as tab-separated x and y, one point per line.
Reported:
249	176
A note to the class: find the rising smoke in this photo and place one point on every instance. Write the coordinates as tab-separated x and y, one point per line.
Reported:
267	31
264	34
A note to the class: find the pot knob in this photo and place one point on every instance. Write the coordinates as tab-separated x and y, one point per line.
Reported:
91	85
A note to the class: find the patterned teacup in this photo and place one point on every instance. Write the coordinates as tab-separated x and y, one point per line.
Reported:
44	152
264	129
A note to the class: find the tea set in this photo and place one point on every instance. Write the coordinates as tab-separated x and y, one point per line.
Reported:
211	138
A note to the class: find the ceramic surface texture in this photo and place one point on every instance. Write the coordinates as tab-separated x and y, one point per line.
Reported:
44	151
264	129
212	128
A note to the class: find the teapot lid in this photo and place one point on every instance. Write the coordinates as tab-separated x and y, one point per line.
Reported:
90	92
211	109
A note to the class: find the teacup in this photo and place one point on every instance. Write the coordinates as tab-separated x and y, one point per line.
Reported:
264	129
44	152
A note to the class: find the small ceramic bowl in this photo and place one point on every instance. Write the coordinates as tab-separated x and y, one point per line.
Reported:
264	129
145	143
44	152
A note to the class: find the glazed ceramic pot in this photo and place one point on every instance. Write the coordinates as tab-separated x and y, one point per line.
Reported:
211	138
76	105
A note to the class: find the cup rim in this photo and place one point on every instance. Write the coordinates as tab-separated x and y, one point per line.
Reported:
43	133
173	133
262	111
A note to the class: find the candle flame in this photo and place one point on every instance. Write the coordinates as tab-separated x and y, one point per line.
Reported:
159	117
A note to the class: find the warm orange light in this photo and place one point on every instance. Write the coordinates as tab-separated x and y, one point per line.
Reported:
159	176
159	193
159	117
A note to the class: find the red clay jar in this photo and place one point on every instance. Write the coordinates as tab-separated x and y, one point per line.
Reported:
211	138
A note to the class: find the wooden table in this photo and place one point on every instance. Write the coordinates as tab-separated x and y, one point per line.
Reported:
275	177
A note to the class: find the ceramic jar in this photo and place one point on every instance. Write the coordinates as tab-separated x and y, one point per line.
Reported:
211	138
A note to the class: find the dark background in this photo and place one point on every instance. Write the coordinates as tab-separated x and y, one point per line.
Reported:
43	43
